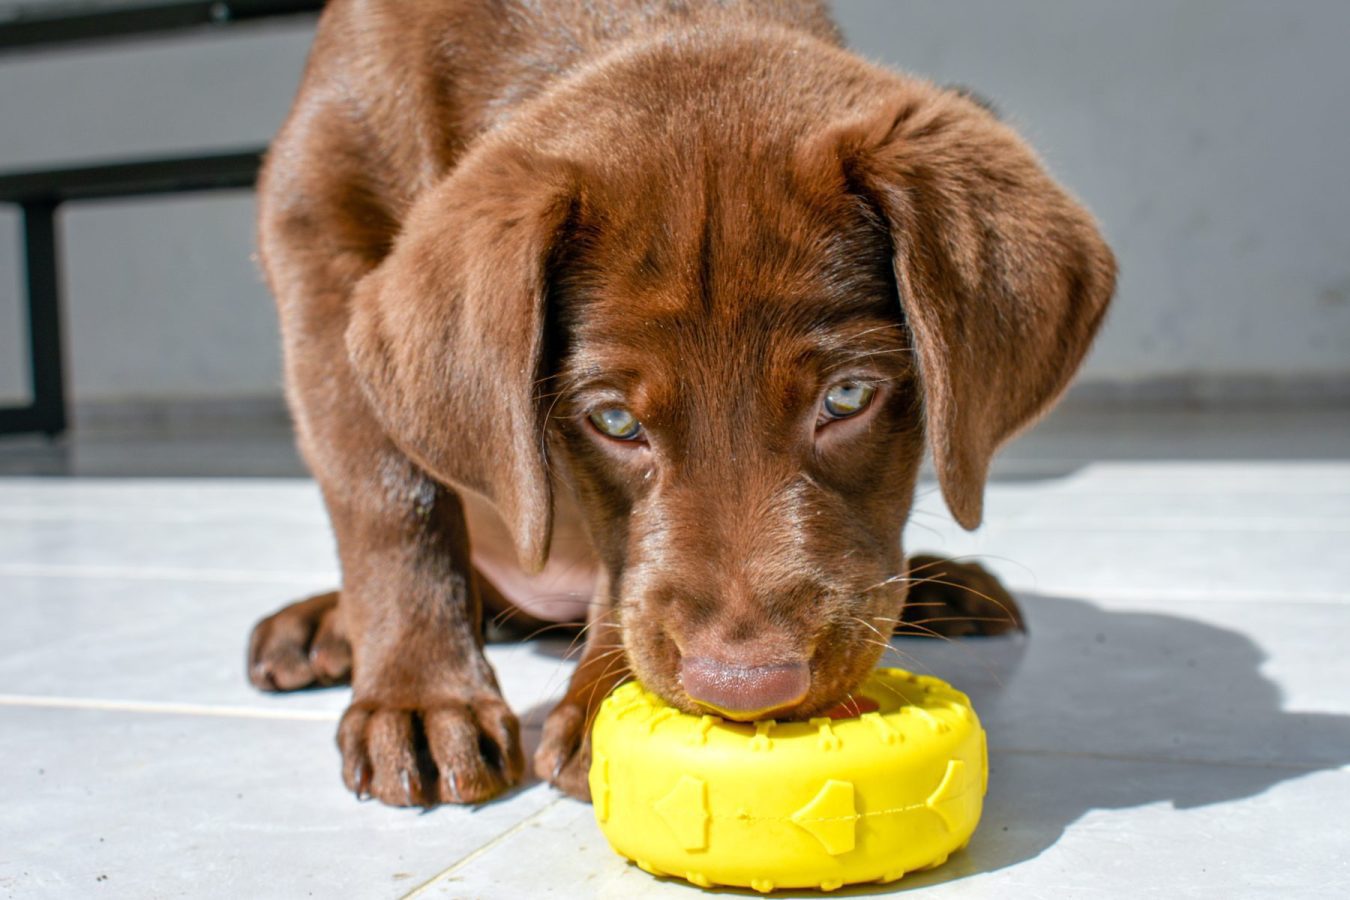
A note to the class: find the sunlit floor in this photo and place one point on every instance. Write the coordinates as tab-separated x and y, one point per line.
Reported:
1177	722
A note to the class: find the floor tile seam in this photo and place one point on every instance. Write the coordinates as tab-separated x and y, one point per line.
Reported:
66	483
1026	490
1197	597
164	573
164	707
1157	758
1153	489
1078	473
317	578
1098	526
1095	526
480	851
172	708
210	711
157	516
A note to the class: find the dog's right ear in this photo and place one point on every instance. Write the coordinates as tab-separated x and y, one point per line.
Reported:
446	336
1003	277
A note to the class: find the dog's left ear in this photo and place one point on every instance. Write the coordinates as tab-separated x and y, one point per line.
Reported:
1003	277
446	335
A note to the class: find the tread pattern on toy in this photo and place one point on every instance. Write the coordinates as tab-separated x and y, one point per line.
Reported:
766	805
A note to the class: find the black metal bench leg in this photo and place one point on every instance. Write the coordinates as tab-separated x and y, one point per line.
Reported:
44	317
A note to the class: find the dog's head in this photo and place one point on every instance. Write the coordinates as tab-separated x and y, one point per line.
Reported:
730	326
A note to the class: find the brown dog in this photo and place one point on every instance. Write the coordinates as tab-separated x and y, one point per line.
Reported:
656	301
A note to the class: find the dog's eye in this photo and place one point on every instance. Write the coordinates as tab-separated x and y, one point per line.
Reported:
848	398
616	422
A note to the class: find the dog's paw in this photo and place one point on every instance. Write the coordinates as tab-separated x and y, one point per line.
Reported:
300	645
450	751
956	599
564	755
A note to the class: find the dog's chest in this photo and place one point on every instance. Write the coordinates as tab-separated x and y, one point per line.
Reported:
563	591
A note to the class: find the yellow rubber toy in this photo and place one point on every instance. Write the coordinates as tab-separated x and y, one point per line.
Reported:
767	805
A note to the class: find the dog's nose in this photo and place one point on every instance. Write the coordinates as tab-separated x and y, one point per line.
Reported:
744	692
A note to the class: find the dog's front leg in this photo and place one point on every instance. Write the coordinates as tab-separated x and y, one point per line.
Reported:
427	723
564	755
950	598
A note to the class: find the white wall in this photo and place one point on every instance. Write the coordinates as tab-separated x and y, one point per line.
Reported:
1210	136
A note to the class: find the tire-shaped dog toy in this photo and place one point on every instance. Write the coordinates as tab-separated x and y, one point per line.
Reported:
765	805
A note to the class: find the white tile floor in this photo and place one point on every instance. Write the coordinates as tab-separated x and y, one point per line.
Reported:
1177	723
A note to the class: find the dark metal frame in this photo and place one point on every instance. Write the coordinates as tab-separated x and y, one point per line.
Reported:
42	29
39	194
47	412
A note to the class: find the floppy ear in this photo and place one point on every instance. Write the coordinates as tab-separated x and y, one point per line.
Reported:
1003	277
446	335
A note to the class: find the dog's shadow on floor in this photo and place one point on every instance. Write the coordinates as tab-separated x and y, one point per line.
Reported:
1109	710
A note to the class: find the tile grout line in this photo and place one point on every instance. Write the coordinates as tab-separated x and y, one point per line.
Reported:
243	712
164	708
475	854
164	573
1198	596
318	579
1114	525
1167	760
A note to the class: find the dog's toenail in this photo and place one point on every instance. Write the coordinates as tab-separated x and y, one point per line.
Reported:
406	780
362	779
263	678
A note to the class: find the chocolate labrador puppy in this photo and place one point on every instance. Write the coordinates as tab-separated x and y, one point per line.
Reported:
641	313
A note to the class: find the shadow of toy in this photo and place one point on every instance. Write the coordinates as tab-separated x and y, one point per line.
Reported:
1109	710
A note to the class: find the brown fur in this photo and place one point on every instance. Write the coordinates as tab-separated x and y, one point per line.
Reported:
482	219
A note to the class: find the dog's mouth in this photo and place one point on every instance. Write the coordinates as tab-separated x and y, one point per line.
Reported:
852	708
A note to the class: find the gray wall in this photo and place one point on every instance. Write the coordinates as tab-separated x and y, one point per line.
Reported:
164	298
1209	136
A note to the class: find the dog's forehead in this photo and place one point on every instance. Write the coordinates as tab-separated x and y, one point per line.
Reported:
702	277
728	252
